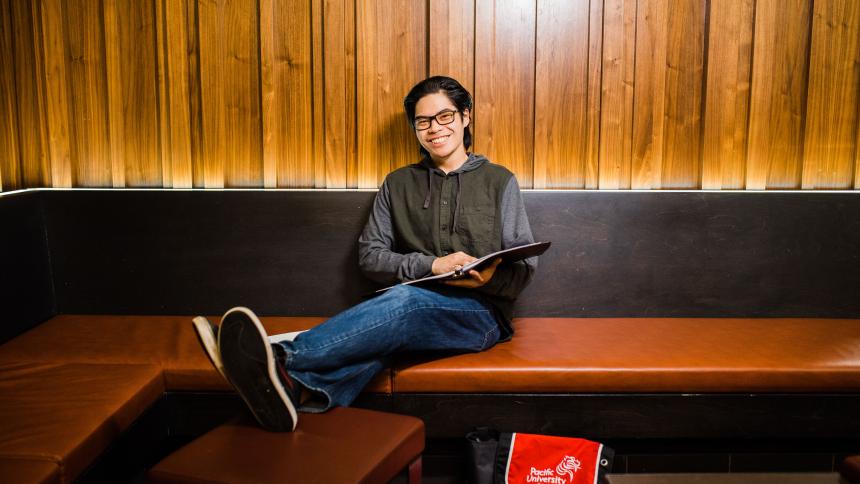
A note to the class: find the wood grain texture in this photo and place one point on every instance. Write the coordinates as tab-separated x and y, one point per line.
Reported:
593	113
684	78
56	92
452	40
10	178
561	72
83	24
174	93
724	145
505	85
391	58
616	118
834	86
779	79
230	94
339	91
649	92
30	97
133	97
198	164
114	63
608	94
318	97
287	93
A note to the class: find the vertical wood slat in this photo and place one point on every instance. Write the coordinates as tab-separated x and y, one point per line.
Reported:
9	159
198	160
174	94
778	94
339	83
84	27
834	91
114	61
318	97
56	94
616	119
287	93
561	128
684	79
391	58
649	93
595	76
504	85
727	94
30	99
452	40
230	94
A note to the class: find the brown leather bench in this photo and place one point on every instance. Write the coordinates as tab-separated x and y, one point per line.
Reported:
146	355
582	372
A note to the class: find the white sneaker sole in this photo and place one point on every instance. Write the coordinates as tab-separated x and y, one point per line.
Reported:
207	338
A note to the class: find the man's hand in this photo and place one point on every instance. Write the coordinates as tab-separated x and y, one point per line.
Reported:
451	262
475	278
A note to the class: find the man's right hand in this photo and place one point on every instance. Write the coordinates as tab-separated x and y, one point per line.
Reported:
451	262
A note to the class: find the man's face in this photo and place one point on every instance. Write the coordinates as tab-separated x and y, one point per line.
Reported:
440	140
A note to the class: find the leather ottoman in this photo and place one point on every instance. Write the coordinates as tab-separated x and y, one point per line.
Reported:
343	445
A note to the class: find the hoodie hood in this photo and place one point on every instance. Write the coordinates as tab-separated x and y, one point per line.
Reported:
473	162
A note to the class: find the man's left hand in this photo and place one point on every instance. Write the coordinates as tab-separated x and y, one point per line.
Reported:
476	278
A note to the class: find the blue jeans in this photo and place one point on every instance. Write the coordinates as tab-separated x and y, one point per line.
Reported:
340	356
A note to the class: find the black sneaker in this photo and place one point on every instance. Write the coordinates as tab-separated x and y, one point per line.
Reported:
251	367
206	334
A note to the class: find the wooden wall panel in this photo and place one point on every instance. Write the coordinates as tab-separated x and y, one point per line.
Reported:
610	94
777	103
10	178
30	99
684	78
391	59
132	88
339	91
595	94
287	93
616	115
56	91
452	40
174	93
230	94
505	84
724	145
90	143
561	72
834	86
649	93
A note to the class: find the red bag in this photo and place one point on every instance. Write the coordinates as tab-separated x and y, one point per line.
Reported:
528	458
552	460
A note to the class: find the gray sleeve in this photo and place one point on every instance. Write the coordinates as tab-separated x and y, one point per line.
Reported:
376	256
510	279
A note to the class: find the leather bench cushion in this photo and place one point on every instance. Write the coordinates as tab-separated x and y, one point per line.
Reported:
71	413
342	445
167	341
581	355
29	471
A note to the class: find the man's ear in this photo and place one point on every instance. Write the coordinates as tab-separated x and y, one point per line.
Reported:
467	118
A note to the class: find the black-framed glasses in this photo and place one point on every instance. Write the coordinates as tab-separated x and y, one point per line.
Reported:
422	123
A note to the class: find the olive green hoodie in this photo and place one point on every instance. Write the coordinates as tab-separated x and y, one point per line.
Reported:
421	213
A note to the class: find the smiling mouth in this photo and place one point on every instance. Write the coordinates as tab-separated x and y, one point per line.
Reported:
439	140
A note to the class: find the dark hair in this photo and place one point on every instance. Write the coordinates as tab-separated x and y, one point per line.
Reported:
458	95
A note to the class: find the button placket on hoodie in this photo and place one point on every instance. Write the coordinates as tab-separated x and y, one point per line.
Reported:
445	215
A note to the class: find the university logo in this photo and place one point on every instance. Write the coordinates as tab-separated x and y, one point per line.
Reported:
568	465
